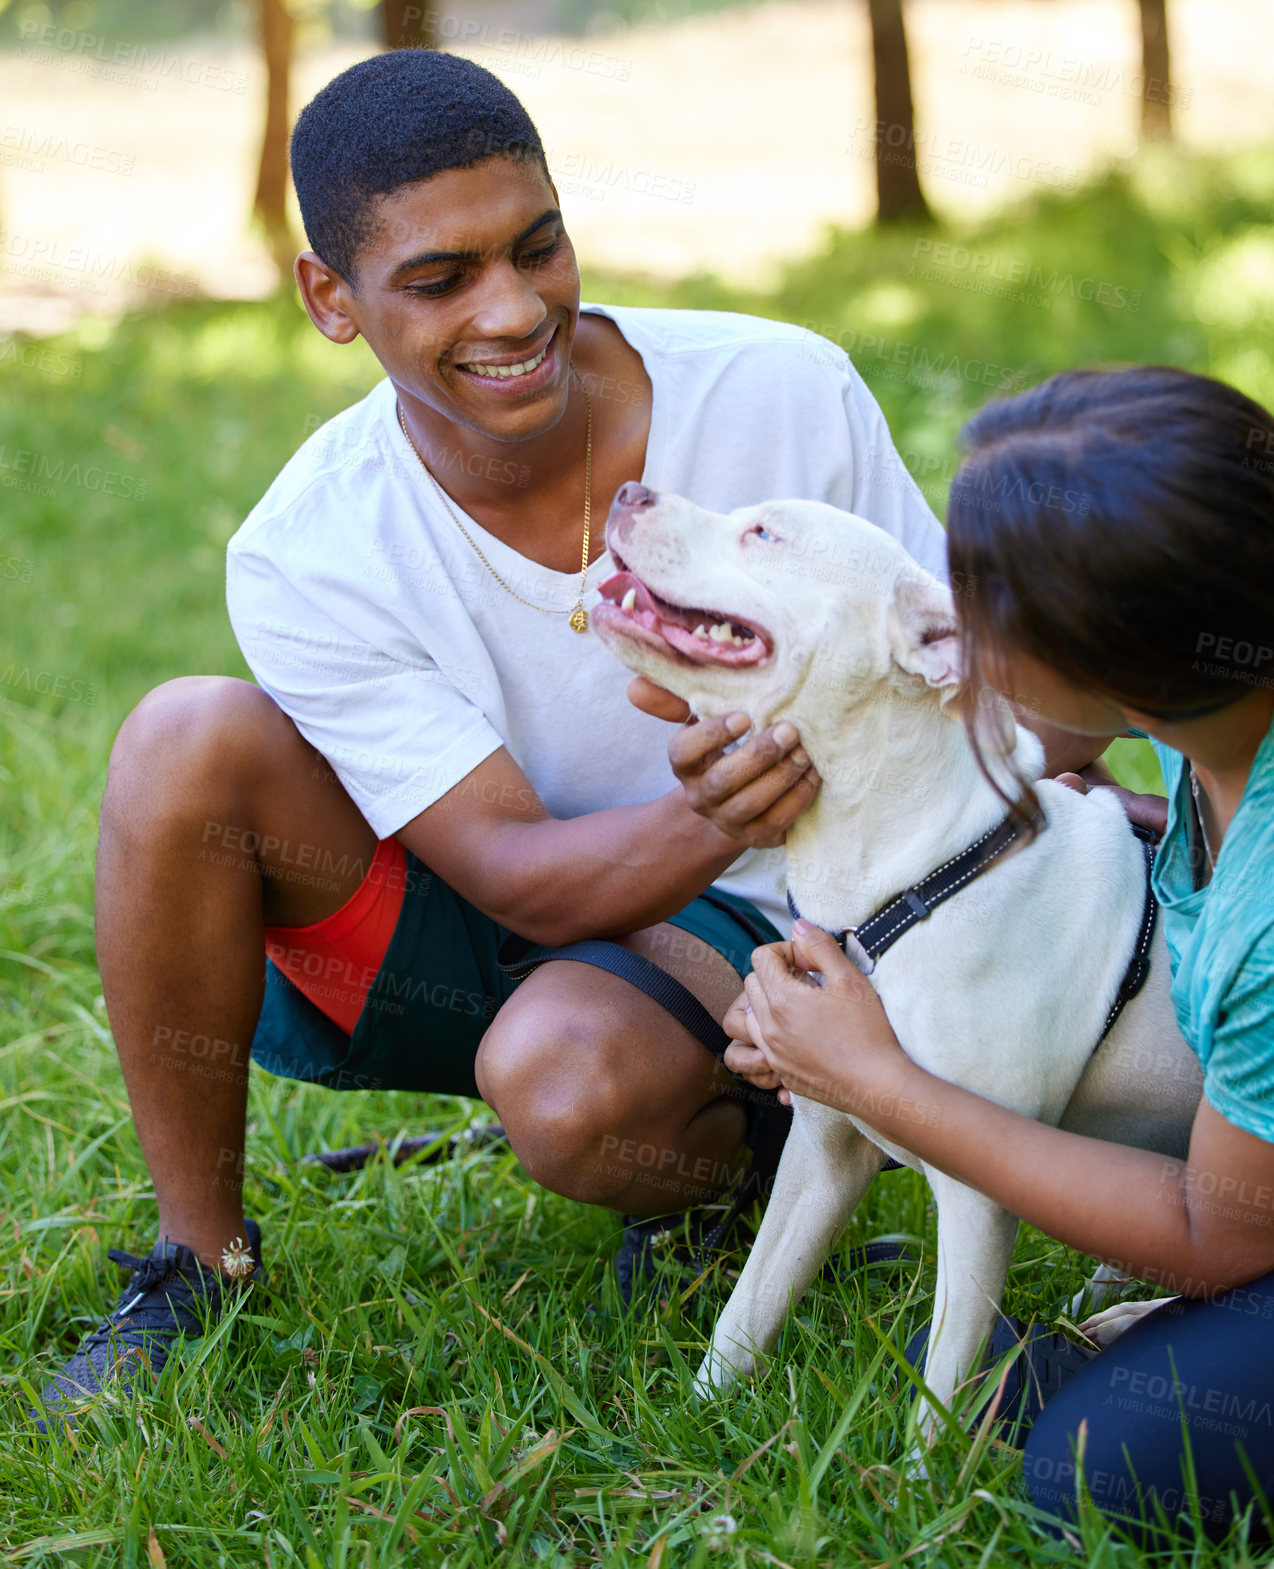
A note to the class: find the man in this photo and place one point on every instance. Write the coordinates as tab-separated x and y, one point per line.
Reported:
433	758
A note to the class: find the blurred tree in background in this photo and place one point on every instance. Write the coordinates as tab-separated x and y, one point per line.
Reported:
1156	86
270	203
409	24
403	25
898	194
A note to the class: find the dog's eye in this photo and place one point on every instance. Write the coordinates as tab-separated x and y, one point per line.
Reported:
761	532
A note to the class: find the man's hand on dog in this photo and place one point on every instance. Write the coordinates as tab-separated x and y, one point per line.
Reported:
789	1029
1147	811
754	793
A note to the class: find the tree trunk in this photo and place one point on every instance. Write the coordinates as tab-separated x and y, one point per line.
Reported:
270	202
411	24
1156	88
898	194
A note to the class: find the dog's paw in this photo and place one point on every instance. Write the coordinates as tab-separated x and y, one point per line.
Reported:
1106	1327
717	1374
1100	1291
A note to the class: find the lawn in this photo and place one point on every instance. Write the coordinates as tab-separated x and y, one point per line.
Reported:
442	1371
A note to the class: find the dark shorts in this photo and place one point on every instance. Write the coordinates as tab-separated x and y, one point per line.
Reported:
438	989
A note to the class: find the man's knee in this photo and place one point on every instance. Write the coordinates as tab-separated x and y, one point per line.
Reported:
199	719
555	1088
193	732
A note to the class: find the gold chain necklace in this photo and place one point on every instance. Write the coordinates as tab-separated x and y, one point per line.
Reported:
578	615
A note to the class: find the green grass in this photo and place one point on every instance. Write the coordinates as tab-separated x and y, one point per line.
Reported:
441	1371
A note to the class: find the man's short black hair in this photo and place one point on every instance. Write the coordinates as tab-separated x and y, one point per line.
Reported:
398	117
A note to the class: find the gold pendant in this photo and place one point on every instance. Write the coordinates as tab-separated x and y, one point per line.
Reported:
579	618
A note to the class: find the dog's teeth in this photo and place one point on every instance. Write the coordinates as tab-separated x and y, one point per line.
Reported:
629	600
701	630
740	641
720	633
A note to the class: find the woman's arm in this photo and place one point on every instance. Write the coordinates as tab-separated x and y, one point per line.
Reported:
1193	1227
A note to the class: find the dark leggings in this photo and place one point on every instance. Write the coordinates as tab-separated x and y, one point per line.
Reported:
1207	1363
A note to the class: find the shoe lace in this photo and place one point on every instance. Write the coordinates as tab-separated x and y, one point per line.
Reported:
142	1315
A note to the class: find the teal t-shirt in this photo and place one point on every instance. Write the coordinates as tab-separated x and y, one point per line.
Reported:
1221	942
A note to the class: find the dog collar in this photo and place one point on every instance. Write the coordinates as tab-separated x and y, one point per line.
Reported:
881	930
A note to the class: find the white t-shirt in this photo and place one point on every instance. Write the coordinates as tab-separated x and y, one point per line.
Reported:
369	619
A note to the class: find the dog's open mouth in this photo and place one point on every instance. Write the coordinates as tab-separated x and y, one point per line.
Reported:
704	636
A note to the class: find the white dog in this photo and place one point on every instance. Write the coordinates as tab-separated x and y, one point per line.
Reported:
795	610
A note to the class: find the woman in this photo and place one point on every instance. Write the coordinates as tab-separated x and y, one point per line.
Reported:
1146	604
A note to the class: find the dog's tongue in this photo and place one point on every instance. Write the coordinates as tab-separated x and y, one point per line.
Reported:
676	625
614	589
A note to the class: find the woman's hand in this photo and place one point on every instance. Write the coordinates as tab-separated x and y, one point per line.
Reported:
753	794
828	1041
745	1059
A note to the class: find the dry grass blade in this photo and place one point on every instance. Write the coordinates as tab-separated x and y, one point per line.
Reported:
370	1509
422	1411
744	1466
194	1423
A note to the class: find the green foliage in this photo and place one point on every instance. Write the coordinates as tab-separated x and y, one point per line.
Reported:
441	1371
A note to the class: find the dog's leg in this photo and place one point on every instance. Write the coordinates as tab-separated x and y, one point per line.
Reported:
975	1243
826	1168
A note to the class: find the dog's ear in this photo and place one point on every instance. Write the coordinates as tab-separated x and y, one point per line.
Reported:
921	625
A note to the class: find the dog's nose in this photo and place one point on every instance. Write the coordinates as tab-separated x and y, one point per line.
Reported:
634	495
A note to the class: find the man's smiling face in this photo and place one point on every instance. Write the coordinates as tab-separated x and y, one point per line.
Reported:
468	294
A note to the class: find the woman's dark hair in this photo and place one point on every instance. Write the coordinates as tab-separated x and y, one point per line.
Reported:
1118	526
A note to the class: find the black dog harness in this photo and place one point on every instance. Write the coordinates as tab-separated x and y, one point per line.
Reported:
899	914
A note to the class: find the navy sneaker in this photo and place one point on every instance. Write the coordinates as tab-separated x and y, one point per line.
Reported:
170	1294
686	1241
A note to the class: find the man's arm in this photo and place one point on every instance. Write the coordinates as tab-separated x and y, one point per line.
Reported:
400	734
557	880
